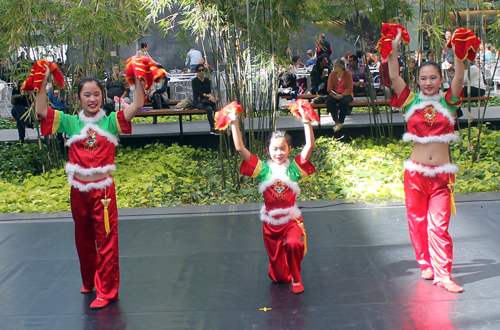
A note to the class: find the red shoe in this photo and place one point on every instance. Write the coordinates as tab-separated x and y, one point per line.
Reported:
450	286
297	287
84	290
428	274
100	303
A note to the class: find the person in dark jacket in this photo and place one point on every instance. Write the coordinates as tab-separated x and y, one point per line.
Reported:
19	111
323	47
319	75
202	96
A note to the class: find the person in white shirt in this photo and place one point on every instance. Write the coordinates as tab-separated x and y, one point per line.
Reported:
193	59
477	85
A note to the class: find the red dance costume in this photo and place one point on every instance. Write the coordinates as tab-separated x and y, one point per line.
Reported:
280	214
91	149
430	120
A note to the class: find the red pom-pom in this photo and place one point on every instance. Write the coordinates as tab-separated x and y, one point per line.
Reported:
466	44
389	32
309	112
144	69
37	73
222	120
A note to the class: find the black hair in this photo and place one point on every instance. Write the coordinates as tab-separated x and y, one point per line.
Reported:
86	80
371	61
434	64
354	57
359	53
278	135
287	76
143	44
321	57
295	59
199	66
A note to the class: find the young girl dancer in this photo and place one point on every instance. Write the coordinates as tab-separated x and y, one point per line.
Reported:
282	219
429	175
91	150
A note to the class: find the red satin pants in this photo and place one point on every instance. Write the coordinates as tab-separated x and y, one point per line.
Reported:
428	210
285	250
98	252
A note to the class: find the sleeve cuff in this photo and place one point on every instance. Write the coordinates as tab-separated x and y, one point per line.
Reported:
50	124
251	168
123	126
451	100
401	101
305	167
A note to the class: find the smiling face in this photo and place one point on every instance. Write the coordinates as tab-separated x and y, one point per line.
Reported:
429	79
91	98
278	150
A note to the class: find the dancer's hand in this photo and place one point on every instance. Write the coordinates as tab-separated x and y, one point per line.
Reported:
397	40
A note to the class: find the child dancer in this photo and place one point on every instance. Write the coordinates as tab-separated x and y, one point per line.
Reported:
282	219
91	149
429	175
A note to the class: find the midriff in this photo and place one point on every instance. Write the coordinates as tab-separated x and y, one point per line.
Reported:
434	154
89	178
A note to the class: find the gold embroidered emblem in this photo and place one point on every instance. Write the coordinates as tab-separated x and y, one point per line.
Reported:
90	143
279	190
430	114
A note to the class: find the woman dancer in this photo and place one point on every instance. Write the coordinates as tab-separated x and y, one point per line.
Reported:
429	175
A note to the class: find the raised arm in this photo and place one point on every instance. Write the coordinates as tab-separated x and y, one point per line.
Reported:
238	139
138	102
392	60
457	84
309	136
41	96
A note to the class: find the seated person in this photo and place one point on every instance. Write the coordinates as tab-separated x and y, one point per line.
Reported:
319	75
287	85
358	72
159	92
311	58
20	107
477	85
116	87
202	96
294	68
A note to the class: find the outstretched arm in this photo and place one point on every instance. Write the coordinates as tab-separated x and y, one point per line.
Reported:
138	102
238	139
392	60
41	96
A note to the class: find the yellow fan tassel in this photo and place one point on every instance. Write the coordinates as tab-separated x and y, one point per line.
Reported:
105	202
451	186
304	240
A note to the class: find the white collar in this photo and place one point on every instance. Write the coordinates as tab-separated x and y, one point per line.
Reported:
86	119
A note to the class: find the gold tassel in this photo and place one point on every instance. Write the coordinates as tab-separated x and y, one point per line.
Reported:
105	202
304	240
451	186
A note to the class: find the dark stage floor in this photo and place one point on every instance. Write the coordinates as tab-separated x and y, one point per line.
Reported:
206	268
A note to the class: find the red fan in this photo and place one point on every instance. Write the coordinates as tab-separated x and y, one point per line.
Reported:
466	44
37	74
144	69
389	32
222	120
309	113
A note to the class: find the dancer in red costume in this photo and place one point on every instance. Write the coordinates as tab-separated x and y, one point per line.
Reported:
429	175
282	219
91	149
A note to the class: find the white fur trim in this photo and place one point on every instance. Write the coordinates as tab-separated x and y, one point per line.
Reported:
438	106
279	173
444	138
75	168
86	119
83	134
430	171
288	214
86	187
